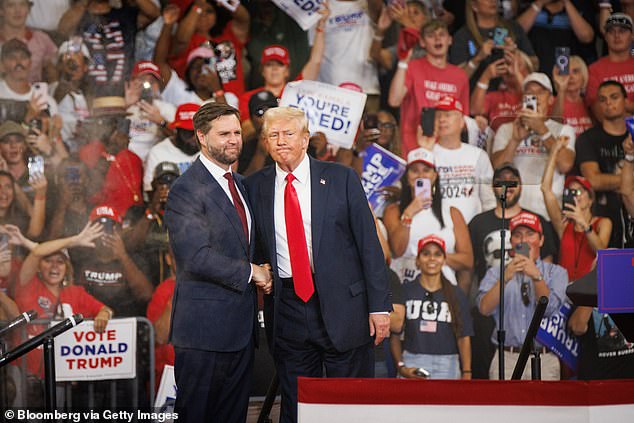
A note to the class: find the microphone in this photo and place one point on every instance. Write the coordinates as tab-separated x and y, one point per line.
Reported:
38	340
499	183
22	319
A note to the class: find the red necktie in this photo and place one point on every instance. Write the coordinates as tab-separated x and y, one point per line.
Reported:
238	203
297	249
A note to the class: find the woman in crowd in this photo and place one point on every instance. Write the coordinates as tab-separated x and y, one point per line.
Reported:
12	213
474	43
416	216
570	103
582	234
437	322
46	286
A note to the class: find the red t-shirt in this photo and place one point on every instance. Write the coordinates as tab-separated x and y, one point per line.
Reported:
228	50
577	116
244	98
163	354
427	84
603	70
36	296
575	253
122	184
501	107
7	282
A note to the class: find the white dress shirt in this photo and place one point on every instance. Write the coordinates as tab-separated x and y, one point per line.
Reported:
219	175
302	186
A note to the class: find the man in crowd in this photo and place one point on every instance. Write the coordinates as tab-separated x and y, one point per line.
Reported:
526	278
423	82
526	142
599	155
618	65
182	148
331	287
484	229
212	235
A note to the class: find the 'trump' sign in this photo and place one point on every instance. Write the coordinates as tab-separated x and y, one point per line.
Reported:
83	354
381	168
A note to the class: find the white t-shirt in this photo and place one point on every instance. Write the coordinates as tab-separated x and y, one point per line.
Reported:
144	133
531	158
73	108
465	179
164	151
176	92
346	57
8	93
45	14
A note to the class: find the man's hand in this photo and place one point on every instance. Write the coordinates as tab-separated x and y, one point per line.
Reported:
262	277
379	326
171	14
408	373
533	120
39	142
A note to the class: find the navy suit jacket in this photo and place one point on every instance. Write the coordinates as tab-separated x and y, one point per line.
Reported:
214	306
350	272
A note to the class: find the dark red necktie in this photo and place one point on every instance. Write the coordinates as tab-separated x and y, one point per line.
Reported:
238	203
297	248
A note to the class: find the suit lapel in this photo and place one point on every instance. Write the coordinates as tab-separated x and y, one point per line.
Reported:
319	186
267	203
216	194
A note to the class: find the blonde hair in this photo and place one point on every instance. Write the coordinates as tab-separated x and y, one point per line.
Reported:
282	113
576	60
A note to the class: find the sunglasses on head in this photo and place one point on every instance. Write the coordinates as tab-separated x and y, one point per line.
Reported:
525	291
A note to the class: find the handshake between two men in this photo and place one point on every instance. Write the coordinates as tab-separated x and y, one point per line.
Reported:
262	276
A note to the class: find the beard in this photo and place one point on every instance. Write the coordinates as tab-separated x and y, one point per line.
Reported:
222	156
186	147
512	201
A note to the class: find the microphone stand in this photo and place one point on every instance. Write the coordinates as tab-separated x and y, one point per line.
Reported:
501	333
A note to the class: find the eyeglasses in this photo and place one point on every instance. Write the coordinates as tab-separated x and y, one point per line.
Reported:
386	125
525	291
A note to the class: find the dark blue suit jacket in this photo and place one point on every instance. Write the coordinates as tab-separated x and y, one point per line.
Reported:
214	306
350	271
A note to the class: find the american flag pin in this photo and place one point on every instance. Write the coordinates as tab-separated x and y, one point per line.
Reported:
322	181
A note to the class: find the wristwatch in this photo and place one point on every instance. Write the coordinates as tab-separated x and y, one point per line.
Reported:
537	278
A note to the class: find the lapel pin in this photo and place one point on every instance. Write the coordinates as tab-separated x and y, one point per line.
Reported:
322	181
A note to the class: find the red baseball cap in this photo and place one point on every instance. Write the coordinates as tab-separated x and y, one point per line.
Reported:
429	239
146	67
185	116
449	103
351	86
275	52
581	180
421	155
527	219
105	211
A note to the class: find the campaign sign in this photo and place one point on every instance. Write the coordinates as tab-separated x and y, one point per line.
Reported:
166	396
553	333
332	110
83	354
381	168
615	281
304	12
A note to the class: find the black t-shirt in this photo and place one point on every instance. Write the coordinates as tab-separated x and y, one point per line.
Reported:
106	282
110	39
485	238
606	355
464	47
596	145
150	256
555	30
428	320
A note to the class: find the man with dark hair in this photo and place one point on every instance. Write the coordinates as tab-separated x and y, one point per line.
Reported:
599	156
211	232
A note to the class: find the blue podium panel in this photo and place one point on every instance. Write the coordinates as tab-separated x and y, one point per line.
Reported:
615	281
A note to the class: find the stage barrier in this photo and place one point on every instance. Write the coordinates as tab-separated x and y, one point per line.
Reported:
477	401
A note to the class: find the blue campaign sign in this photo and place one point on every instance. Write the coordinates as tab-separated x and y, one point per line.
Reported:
615	281
381	168
553	333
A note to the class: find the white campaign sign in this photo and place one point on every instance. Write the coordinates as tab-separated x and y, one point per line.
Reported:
304	12
167	390
83	354
332	110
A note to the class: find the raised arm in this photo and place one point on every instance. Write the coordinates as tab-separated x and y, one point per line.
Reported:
552	205
162	49
311	68
70	19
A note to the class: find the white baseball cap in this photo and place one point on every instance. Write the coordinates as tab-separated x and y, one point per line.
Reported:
541	78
